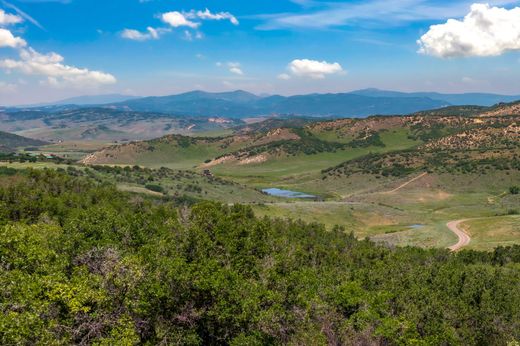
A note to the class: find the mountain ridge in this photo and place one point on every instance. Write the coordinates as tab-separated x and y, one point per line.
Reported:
243	104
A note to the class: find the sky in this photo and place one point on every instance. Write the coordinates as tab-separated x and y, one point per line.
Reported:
55	49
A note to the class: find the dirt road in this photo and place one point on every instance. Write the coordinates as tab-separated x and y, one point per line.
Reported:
464	238
408	182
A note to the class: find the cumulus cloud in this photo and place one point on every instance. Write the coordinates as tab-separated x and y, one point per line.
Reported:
207	15
313	69
177	19
485	31
51	66
150	34
7	39
233	67
8	19
187	20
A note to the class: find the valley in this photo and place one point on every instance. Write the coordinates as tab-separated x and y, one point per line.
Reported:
398	180
259	173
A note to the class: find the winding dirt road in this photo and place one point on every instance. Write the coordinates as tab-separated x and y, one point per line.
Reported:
464	238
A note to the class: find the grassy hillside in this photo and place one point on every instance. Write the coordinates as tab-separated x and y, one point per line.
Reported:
103	124
10	142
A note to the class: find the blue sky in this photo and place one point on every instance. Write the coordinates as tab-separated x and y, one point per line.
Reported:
57	49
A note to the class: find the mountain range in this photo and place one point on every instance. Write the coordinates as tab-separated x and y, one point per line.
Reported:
242	104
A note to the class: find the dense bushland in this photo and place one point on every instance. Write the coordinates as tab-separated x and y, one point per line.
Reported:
81	263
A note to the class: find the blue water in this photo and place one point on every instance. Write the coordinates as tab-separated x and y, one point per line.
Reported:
286	193
416	226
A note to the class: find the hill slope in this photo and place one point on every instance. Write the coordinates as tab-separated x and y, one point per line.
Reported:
106	124
9	142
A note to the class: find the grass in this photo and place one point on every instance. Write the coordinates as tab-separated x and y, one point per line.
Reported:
73	150
370	211
488	233
292	171
35	165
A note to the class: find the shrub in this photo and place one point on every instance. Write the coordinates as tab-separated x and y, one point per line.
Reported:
155	188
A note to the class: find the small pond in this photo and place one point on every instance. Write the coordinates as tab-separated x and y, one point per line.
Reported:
416	226
286	193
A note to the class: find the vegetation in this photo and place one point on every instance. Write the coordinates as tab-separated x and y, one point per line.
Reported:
9	142
81	263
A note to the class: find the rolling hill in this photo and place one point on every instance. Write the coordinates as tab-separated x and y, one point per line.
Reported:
9	142
261	153
106	124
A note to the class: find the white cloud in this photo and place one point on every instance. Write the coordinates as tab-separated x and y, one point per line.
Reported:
7	39
236	70
8	19
233	67
207	15
367	13
51	66
23	14
150	34
313	69
485	31
177	19
192	20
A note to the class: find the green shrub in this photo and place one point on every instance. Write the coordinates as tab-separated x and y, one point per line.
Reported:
155	188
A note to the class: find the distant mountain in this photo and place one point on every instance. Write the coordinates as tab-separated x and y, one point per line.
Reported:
197	103
476	99
242	104
347	105
86	100
9	142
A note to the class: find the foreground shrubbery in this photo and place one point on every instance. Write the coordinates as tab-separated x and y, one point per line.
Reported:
83	263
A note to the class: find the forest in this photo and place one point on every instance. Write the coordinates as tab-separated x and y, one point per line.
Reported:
83	263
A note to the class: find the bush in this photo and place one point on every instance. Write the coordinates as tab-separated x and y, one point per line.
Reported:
155	188
514	190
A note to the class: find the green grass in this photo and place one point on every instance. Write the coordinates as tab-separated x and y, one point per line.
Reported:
35	165
72	150
370	211
488	233
294	170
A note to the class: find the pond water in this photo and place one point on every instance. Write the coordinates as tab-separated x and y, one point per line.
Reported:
286	193
416	226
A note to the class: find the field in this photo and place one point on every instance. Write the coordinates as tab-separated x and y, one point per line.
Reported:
488	233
